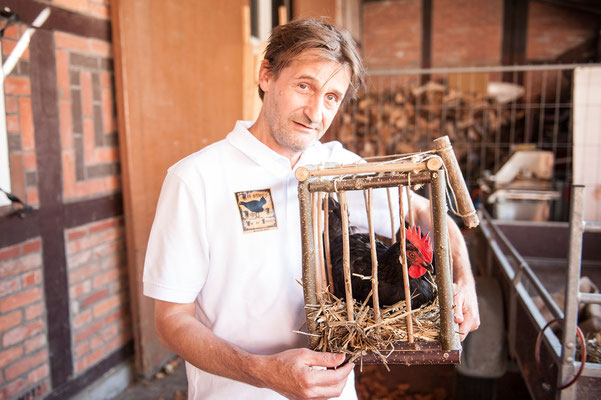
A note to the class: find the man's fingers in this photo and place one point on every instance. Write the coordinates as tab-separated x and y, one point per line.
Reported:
328	360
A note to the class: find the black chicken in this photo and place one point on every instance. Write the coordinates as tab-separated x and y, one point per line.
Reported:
390	276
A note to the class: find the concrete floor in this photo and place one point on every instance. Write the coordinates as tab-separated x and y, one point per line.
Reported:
162	386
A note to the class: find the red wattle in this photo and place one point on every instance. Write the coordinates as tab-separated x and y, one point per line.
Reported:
416	271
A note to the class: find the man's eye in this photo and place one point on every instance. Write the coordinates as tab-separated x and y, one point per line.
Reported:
303	86
332	98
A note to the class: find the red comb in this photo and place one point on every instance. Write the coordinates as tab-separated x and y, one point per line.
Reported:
422	243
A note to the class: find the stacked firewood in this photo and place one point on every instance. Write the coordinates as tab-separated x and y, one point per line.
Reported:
407	119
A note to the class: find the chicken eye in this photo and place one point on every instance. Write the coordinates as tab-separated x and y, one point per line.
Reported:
411	254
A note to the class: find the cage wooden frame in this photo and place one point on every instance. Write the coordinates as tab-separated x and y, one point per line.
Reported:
390	174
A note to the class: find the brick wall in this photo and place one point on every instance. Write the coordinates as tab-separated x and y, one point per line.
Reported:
97	290
392	34
78	266
554	30
466	32
19	122
23	348
87	116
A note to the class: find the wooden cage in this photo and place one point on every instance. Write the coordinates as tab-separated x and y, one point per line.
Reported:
400	172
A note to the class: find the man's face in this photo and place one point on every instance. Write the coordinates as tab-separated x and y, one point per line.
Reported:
301	102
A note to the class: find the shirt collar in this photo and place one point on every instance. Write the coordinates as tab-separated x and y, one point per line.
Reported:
241	138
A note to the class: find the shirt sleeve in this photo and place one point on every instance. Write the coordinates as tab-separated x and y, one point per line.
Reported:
177	258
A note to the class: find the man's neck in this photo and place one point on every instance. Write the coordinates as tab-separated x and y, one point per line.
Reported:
261	132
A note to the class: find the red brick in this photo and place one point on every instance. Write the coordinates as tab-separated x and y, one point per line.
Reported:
65	124
106	277
62	74
20	299
12	123
79	259
29	160
99	10
32	278
96	341
10	355
68	174
35	343
9	252
32	246
34	311
20	264
32	196
100	47
13	388
80	288
94	298
12	32
12	104
38	374
27	133
82	319
86	94
22	332
76	234
106	305
17	85
94	357
103	225
8	321
71	42
81	349
10	285
115	315
25	365
88	138
85	333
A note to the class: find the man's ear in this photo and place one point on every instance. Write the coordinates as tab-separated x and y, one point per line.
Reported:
265	75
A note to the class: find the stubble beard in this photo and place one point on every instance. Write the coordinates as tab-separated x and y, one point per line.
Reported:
284	136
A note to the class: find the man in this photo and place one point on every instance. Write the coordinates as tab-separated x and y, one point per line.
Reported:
224	252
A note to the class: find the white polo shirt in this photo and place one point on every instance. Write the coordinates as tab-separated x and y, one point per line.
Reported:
226	235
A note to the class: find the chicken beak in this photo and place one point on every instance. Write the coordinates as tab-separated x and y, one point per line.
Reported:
428	266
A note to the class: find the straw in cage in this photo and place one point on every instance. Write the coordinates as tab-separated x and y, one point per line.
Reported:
363	327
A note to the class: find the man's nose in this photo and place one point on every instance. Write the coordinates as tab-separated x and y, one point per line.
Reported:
314	109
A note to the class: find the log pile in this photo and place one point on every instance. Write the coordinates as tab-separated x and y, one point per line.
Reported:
407	119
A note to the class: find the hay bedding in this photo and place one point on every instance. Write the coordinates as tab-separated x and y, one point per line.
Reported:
364	335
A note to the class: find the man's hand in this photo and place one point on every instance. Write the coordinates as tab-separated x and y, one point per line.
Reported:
466	308
306	374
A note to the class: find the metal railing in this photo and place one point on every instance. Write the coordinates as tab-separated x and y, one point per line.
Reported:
403	110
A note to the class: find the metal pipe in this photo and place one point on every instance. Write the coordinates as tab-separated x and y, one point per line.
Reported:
572	287
508	68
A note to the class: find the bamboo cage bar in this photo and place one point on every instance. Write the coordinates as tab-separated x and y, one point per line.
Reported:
302	173
315	218
360	183
374	256
346	257
404	271
392	231
464	203
411	220
442	259
309	292
326	240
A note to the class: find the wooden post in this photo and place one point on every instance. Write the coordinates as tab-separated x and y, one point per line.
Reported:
392	232
346	256
405	272
442	260
465	206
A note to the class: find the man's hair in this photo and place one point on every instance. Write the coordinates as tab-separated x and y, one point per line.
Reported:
288	41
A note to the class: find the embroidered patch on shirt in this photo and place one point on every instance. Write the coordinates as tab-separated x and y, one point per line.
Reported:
256	210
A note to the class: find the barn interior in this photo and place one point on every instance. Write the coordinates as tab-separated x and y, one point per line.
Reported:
100	97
